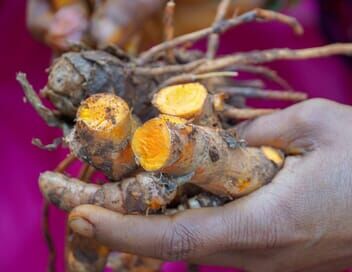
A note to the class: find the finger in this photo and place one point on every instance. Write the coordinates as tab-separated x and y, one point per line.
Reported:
184	236
39	15
294	129
243	224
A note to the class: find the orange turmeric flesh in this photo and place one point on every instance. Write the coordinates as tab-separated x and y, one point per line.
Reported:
273	155
213	156
102	133
106	115
151	144
172	119
184	100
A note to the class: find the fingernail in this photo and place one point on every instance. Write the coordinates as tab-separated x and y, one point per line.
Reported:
82	226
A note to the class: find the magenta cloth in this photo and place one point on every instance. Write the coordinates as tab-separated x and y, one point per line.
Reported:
22	244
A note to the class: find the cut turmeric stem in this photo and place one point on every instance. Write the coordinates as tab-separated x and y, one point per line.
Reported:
152	144
102	133
184	100
219	162
145	192
189	101
219	101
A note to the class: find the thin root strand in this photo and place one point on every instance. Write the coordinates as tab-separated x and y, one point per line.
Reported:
88	174
220	27
265	94
242	114
270	55
65	163
213	40
49	147
48	236
44	112
265	72
169	28
185	78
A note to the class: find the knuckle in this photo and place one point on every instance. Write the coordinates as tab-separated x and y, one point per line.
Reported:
318	104
178	243
307	121
312	113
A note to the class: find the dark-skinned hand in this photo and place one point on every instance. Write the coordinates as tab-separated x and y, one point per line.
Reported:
301	221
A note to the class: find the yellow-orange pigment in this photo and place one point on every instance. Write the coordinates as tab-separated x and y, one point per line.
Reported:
106	115
151	144
184	100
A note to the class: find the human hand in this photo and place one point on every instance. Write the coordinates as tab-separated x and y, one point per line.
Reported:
301	221
132	25
68	26
61	24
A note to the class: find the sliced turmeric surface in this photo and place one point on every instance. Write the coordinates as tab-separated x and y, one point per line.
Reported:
217	161
106	115
184	100
102	133
151	143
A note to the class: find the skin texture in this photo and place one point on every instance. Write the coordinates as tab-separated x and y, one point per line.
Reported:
301	221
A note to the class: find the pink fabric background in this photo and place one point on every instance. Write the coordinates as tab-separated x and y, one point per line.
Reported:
22	244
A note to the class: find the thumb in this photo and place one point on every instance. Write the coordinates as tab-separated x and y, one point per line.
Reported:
188	235
183	236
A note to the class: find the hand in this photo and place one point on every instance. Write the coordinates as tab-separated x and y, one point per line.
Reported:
133	25
301	221
68	26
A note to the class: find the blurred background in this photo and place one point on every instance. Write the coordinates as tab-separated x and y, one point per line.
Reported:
24	47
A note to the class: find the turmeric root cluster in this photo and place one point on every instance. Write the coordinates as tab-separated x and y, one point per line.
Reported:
160	126
150	164
162	154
